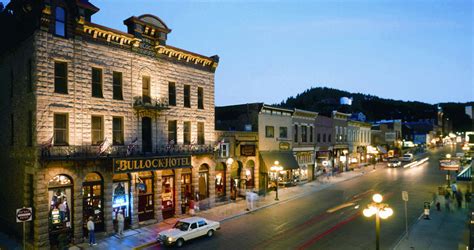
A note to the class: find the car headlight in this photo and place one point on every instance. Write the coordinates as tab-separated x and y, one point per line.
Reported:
170	239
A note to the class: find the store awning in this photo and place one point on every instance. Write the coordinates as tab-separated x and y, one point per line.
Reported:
382	149
286	159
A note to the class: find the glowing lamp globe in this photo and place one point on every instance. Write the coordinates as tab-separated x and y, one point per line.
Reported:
377	198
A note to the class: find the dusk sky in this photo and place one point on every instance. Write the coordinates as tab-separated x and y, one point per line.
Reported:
270	50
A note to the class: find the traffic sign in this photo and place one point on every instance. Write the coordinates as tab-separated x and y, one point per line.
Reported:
24	214
405	195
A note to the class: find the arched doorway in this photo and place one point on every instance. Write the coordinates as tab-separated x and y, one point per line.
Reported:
92	202
235	173
121	198
249	174
203	182
167	193
186	189
145	188
220	180
60	208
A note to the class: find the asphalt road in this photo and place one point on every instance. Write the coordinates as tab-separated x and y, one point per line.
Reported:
332	218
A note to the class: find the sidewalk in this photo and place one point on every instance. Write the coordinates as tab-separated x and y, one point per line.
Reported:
141	237
444	230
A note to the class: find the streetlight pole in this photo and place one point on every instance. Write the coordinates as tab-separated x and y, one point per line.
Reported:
377	231
276	169
381	211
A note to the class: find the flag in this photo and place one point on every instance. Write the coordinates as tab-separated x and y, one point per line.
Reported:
131	147
218	145
104	146
48	144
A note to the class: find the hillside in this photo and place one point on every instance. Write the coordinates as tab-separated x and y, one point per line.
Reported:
325	100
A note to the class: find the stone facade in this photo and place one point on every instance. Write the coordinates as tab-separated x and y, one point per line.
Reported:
30	101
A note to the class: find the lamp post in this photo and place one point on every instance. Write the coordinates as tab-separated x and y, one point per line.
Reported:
229	163
381	210
276	169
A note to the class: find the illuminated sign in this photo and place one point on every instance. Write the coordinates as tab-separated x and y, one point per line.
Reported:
247	150
151	163
284	146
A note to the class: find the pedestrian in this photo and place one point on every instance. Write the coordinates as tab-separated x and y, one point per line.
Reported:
325	174
447	200
121	222
90	228
454	188
459	198
467	197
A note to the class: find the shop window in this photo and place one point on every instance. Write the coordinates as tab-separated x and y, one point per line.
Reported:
146	89
117	131
97	82
60	206
145	196
60	22
201	139
117	85
187	96
92	203
167	195
97	130
283	132
121	198
60	77
187	133
186	189
60	129
269	131
172	132
200	98
172	94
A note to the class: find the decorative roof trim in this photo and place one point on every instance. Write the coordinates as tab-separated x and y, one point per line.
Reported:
186	56
111	36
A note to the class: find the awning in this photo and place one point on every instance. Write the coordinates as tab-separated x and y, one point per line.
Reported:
382	149
286	159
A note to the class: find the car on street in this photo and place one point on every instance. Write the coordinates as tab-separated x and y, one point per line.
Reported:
187	229
407	157
394	163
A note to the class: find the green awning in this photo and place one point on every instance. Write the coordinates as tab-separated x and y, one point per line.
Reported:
285	158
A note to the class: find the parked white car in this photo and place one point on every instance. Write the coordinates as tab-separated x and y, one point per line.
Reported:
187	229
407	157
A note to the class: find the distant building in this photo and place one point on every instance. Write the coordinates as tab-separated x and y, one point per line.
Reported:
390	135
303	144
324	142
359	138
341	145
359	116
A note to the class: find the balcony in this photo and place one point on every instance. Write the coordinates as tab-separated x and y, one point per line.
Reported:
146	103
88	152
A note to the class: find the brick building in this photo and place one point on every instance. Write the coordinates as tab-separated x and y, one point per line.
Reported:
98	120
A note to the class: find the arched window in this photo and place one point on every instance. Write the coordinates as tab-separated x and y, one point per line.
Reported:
60	22
60	204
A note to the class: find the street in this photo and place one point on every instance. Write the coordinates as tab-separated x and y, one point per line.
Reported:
332	218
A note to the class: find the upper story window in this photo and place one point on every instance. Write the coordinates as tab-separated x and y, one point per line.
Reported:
171	94
187	96
97	130
201	139
329	137
224	150
117	131
304	133
60	22
269	132
311	134
60	77
117	85
61	132
318	138
324	137
172	131
200	98
146	89
283	132
187	133
296	133
97	82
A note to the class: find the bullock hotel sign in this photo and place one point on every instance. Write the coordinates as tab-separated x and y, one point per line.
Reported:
129	165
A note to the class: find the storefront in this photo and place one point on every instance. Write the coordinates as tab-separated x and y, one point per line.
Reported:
93	200
203	182
323	161
60	210
249	175
168	193
186	189
220	180
286	160
235	181
306	166
121	199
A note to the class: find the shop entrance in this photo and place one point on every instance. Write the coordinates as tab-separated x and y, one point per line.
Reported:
145	196
203	182
235	173
60	211
220	181
146	134
186	189
121	199
93	200
249	175
167	196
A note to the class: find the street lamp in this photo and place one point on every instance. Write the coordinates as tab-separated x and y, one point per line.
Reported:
381	210
276	169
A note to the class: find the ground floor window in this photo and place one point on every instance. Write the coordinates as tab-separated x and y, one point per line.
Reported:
186	189
92	193
145	196
203	182
60	210
167	195
220	180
